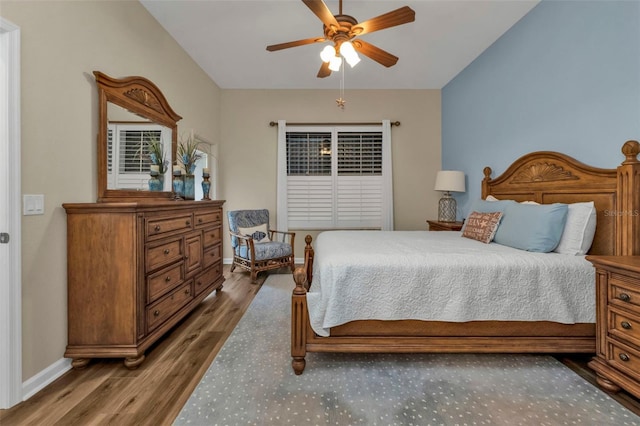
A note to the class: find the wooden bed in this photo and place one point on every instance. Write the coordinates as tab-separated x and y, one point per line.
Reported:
544	177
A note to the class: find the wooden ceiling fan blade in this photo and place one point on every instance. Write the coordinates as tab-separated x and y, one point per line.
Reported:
400	16
274	47
381	56
322	11
324	70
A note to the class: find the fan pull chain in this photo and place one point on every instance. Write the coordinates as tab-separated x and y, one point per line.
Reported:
340	101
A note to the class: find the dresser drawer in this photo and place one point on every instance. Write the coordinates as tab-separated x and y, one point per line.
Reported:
164	280
163	253
623	357
207	278
623	325
212	236
159	312
622	292
209	218
157	227
212	255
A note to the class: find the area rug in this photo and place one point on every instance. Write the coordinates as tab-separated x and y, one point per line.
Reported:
250	382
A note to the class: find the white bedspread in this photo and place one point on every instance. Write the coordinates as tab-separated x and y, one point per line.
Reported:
442	276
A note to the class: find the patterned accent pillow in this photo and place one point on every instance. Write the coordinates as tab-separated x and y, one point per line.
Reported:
258	233
482	226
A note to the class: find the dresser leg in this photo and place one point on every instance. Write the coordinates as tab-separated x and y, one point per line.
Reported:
133	363
80	363
607	384
219	288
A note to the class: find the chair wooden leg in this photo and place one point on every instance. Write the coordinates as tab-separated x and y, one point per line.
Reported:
233	266
254	276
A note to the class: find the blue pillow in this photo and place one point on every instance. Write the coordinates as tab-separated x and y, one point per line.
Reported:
532	227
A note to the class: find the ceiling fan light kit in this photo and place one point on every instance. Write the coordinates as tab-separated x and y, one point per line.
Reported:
342	29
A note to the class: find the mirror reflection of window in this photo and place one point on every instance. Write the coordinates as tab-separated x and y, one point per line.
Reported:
130	168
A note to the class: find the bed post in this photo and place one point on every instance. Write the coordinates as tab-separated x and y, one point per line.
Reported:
628	202
299	318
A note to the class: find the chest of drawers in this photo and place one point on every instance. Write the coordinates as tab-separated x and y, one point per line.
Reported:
135	270
617	360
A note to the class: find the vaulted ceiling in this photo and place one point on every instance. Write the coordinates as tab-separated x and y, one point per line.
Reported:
228	40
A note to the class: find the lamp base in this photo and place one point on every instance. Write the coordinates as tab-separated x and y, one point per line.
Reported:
447	208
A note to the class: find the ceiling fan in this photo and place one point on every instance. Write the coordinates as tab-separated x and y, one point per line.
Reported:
342	30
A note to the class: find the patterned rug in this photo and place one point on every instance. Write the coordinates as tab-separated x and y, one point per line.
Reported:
251	382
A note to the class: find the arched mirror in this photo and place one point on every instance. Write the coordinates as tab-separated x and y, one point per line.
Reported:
137	134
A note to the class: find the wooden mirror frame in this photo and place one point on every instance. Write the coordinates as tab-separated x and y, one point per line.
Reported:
143	98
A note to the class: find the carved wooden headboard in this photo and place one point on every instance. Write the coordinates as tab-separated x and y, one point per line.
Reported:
550	177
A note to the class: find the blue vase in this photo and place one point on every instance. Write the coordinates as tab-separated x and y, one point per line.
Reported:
178	186
189	188
154	183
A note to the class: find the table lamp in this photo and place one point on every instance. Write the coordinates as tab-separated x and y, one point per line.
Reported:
448	181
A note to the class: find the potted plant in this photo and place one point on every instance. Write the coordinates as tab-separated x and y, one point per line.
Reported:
188	155
152	148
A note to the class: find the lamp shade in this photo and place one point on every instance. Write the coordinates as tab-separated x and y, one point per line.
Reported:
450	180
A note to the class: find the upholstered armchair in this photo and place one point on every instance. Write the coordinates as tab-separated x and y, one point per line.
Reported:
255	246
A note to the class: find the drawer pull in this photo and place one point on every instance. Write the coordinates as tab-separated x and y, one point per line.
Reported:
625	325
157	228
167	251
624	297
156	313
187	291
624	357
169	279
188	222
199	220
199	283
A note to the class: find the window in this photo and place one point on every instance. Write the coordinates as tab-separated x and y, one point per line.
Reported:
334	178
130	168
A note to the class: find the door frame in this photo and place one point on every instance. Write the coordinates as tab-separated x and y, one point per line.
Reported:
10	276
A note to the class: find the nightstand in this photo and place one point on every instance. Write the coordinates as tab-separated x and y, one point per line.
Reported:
435	225
617	360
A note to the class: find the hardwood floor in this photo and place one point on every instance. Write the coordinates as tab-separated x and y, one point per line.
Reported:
108	393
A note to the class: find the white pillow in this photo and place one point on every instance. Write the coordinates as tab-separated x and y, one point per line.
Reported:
579	229
492	198
258	233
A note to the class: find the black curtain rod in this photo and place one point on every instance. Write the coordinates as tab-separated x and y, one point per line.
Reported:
275	123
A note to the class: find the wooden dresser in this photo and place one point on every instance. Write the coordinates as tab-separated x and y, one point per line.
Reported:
134	270
617	360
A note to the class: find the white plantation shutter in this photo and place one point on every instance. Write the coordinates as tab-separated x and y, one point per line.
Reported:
333	177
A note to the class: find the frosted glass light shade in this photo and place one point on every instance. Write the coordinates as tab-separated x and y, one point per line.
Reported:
327	53
349	53
334	63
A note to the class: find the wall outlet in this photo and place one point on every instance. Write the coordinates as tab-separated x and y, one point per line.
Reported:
32	204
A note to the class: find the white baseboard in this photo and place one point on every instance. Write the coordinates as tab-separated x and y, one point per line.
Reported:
36	383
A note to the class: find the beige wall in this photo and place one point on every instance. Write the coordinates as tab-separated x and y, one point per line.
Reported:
248	147
61	44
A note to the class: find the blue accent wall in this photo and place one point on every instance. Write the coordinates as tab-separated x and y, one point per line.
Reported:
565	78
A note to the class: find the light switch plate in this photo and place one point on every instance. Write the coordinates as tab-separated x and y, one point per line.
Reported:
32	204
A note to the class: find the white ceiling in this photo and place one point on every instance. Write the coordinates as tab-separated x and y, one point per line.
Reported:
228	39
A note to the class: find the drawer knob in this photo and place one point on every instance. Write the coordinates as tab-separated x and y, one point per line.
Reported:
166	251
199	220
187	291
188	222
624	357
624	297
168	278
199	283
157	228
156	313
625	325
